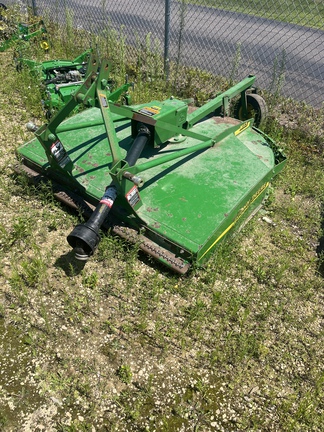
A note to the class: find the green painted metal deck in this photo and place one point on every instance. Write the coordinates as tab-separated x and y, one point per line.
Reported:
192	201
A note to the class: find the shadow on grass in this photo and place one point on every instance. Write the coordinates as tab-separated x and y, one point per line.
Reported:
69	264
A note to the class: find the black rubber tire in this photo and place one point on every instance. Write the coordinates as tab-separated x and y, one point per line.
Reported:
256	108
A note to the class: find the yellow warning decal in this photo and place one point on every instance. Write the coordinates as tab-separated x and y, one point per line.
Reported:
242	128
150	111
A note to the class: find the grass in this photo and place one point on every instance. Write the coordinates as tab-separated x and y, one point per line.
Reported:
122	344
305	13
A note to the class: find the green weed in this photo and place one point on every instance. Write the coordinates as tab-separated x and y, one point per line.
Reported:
124	373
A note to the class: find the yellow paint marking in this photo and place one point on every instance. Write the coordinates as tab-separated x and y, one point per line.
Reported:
242	128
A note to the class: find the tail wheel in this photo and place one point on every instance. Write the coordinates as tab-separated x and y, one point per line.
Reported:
256	108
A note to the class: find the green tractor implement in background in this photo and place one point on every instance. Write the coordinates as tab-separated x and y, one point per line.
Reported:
58	78
12	33
173	180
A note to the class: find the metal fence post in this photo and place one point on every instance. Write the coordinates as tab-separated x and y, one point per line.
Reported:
166	38
33	2
201	35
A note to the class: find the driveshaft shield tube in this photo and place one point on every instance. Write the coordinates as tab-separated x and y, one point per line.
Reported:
85	238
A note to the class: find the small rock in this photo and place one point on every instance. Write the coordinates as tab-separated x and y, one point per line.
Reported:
268	220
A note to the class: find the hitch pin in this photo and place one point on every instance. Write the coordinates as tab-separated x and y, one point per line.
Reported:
138	181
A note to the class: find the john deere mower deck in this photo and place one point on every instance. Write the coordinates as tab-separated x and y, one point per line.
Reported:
173	181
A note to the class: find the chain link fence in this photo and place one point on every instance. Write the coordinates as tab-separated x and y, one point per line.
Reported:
280	41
